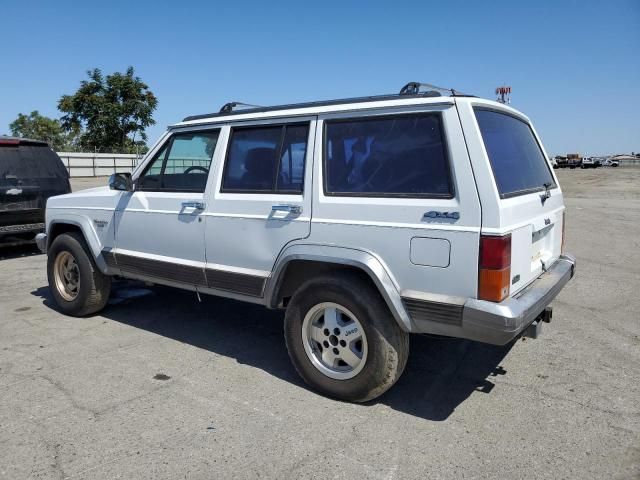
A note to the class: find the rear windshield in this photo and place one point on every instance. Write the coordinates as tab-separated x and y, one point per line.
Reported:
518	164
30	161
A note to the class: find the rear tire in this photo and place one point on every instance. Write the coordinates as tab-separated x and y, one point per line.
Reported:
363	332
78	287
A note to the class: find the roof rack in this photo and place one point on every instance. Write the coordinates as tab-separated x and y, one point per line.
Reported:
411	89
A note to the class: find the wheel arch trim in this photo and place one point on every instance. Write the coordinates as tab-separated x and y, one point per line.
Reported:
87	231
363	260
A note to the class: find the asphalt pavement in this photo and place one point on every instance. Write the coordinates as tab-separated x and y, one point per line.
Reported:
161	386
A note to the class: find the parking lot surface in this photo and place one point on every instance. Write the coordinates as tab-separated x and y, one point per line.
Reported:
161	386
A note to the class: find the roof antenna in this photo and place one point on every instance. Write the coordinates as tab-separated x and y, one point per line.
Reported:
228	107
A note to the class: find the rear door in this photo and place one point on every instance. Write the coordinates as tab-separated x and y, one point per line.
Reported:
520	194
261	201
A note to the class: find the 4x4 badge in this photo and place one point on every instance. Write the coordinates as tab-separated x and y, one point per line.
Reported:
447	215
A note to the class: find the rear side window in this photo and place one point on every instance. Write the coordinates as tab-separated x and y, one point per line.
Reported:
403	155
517	161
266	159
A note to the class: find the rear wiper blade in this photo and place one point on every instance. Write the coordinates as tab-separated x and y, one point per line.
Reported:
547	193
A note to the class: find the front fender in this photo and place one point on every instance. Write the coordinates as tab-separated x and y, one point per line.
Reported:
88	229
361	259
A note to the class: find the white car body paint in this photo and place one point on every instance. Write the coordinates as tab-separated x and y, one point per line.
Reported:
409	254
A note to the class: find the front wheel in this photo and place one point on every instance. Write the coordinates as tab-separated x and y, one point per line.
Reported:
343	340
78	287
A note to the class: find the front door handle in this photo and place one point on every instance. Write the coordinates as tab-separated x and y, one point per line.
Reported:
293	209
194	204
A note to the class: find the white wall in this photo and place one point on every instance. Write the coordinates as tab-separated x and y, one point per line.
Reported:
97	164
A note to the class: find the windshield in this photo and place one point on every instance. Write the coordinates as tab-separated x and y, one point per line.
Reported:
517	161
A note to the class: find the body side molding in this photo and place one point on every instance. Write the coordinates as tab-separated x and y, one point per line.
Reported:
183	274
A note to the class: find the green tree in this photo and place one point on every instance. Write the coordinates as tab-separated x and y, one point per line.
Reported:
39	127
110	113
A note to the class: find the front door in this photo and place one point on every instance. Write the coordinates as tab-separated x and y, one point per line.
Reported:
159	227
261	201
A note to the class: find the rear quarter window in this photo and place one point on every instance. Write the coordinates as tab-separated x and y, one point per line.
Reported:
518	164
399	155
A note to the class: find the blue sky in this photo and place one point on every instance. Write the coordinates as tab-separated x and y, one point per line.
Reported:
574	65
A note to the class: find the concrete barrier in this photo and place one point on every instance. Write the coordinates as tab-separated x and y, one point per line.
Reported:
98	164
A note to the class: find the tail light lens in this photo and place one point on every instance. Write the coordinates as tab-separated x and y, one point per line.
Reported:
494	272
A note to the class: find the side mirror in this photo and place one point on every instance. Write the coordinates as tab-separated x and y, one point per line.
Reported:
121	181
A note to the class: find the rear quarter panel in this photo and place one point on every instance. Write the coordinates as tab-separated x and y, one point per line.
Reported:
388	227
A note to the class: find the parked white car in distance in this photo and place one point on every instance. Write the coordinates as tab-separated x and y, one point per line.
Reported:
611	162
366	219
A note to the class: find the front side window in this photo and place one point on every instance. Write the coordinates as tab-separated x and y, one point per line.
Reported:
517	161
182	164
403	155
266	159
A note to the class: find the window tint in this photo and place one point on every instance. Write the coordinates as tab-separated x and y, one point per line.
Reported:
266	159
251	159
401	155
517	161
182	164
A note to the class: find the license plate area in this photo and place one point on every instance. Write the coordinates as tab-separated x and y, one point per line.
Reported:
541	247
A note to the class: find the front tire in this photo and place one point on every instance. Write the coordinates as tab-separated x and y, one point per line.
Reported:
78	287
343	340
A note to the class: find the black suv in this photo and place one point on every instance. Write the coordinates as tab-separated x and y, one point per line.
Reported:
30	173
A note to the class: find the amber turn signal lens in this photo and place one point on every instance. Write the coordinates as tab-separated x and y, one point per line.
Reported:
493	285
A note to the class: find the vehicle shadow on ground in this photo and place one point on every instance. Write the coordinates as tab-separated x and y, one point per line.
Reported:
440	375
7	252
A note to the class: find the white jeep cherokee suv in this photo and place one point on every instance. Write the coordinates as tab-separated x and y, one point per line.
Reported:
366	219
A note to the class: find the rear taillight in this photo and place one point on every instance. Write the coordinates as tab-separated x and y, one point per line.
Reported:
494	272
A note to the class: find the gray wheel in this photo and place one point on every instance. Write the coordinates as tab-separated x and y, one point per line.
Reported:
334	340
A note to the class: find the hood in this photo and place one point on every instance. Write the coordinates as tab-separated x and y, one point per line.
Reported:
99	197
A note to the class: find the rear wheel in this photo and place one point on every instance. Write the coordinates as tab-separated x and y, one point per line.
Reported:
342	339
77	285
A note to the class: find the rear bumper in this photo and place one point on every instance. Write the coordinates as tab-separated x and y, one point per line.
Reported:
21	228
499	323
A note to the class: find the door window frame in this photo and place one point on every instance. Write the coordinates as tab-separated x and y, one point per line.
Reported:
283	125
168	143
369	116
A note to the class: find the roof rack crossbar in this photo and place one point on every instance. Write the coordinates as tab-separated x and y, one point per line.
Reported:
413	88
228	107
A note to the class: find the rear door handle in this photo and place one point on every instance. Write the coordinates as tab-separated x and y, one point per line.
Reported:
293	209
194	204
